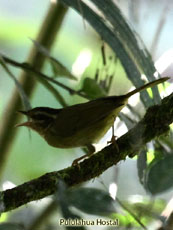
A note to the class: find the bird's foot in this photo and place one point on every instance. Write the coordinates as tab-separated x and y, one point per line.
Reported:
114	142
76	161
91	150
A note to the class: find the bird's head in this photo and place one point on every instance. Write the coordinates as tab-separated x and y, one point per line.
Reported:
39	118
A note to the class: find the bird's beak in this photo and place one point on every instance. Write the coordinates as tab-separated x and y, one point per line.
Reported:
27	123
23	112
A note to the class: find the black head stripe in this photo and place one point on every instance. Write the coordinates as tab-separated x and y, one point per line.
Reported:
43	113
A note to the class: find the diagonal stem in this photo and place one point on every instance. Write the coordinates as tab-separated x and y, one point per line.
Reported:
49	29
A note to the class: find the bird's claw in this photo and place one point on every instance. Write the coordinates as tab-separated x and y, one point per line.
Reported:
113	141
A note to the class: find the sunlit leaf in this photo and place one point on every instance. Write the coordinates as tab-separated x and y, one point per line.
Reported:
142	209
92	89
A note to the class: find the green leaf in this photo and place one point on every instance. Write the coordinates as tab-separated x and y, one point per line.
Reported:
159	177
92	201
92	89
144	209
57	67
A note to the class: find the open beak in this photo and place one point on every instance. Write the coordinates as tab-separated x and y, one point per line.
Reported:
23	112
27	123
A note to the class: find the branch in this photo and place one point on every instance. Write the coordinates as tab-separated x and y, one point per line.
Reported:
155	123
40	76
168	224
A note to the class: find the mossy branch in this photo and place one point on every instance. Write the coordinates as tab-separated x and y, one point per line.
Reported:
155	123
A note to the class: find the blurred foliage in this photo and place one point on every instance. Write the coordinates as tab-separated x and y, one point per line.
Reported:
11	226
97	81
7	28
92	201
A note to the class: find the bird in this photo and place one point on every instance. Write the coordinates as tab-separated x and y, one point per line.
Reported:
79	125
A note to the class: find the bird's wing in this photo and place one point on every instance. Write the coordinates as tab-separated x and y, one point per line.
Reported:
81	116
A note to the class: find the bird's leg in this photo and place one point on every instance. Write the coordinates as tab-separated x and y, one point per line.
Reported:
91	150
113	138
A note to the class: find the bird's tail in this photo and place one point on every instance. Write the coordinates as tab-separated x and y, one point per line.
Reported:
149	85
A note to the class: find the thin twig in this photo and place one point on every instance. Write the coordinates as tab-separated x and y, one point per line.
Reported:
81	12
29	68
131	213
125	208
